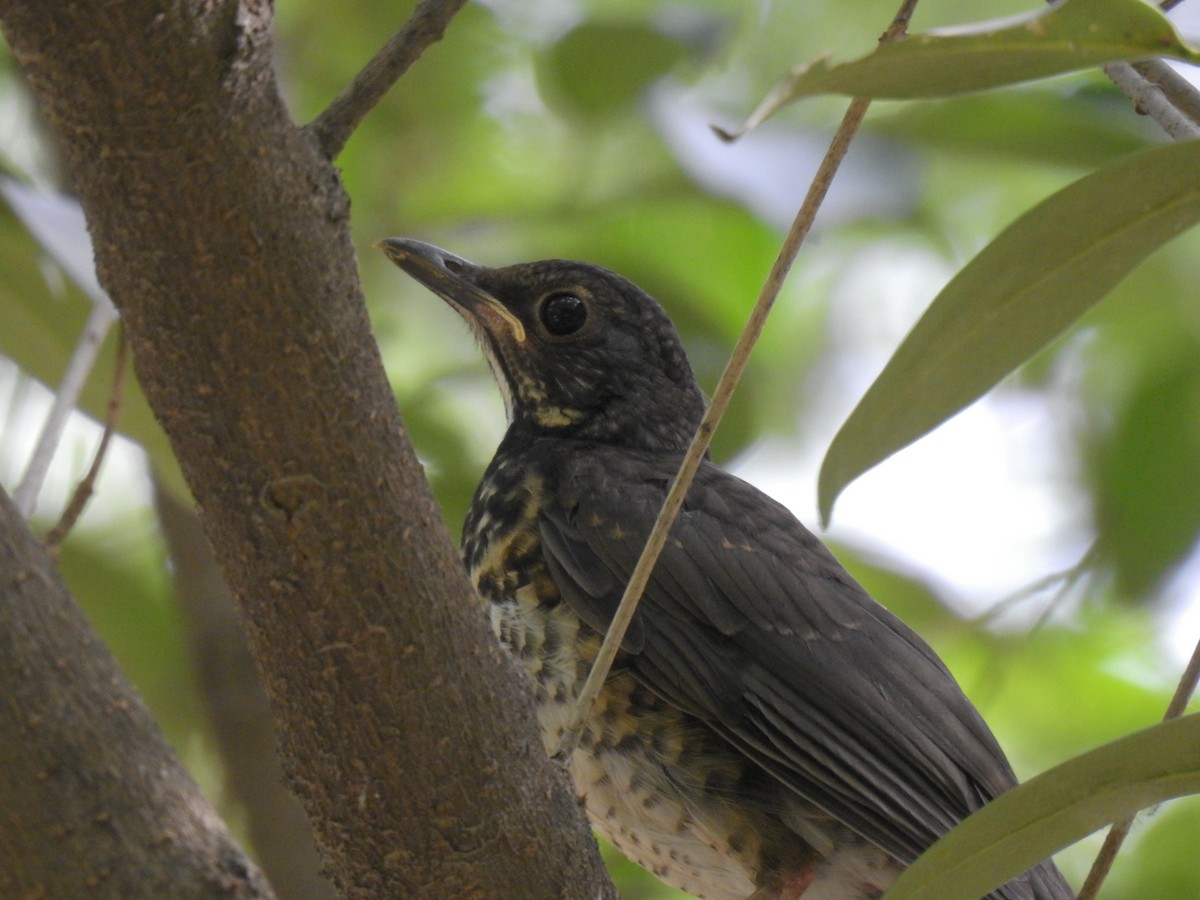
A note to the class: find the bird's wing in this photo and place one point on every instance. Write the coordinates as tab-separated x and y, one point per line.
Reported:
750	623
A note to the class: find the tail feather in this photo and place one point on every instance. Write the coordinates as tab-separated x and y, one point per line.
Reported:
1043	882
1048	883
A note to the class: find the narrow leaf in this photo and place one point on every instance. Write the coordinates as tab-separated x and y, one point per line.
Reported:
1031	822
1017	295
1066	37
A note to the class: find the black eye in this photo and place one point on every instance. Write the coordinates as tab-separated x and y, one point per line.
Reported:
563	314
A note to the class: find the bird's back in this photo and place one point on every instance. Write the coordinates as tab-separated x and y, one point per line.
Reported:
686	785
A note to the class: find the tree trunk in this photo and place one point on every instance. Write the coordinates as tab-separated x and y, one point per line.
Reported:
237	708
221	235
95	803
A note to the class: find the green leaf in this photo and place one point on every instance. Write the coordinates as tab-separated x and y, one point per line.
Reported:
575	79
1017	295
1066	37
1148	524
1035	124
1029	823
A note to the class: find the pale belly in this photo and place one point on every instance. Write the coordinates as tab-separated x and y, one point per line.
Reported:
655	830
662	787
633	797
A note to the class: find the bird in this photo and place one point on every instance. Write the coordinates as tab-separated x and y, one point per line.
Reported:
768	730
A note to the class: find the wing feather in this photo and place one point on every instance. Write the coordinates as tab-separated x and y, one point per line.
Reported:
750	624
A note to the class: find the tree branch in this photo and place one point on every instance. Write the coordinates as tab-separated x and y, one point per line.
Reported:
333	127
85	774
221	235
87	486
1159	92
237	708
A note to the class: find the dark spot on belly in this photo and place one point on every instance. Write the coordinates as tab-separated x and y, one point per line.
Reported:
630	742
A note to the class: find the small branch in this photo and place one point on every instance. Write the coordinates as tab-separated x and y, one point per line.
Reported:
1120	830
428	22
1061	581
1181	92
66	399
1186	688
990	680
97	803
83	491
1168	98
838	148
1159	92
56	222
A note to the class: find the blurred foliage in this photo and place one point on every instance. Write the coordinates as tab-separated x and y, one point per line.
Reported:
1020	293
1067	36
579	128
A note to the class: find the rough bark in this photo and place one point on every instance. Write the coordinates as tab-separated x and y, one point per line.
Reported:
95	803
221	234
237	709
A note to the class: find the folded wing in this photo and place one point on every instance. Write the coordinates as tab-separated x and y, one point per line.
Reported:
749	623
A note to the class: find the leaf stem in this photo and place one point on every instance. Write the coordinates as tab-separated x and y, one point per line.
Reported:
734	369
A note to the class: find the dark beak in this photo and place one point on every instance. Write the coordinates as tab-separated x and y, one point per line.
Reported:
456	281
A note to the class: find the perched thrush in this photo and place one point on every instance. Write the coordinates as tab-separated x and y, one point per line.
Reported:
768	730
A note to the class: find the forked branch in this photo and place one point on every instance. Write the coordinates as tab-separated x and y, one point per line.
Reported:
333	127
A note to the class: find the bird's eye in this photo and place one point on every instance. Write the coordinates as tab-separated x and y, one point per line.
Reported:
563	314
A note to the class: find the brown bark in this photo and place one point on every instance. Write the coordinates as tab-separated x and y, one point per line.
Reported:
95	803
220	232
237	709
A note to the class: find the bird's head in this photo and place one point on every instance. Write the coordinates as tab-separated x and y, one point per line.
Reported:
577	350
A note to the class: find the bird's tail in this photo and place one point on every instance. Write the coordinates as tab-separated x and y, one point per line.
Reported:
1043	882
1048	883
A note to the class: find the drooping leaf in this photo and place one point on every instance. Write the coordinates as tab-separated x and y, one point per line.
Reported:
1069	802
1016	296
1065	37
1147	483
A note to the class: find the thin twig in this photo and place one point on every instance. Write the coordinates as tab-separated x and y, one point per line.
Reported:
1168	98
428	22
1182	93
57	223
1120	830
1062	581
83	491
990	681
1160	93
66	399
1186	688
720	401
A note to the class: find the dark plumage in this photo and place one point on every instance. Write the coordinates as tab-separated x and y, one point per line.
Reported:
769	729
